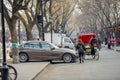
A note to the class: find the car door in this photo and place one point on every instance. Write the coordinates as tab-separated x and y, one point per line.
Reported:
47	51
32	49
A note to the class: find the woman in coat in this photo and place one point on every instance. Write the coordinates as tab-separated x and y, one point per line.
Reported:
81	49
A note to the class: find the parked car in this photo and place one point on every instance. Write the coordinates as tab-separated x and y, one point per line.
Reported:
42	50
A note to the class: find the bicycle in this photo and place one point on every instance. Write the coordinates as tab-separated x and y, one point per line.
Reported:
89	53
12	73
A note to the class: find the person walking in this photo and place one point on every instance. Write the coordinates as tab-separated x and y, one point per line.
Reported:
81	49
109	43
105	40
118	40
113	42
99	43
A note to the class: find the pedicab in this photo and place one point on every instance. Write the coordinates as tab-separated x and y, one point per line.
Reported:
86	37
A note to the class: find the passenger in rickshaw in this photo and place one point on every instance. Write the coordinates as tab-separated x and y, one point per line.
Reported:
93	43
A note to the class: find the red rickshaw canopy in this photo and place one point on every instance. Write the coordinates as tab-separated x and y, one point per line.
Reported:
86	37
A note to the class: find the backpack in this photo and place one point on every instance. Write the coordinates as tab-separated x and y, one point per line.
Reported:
80	49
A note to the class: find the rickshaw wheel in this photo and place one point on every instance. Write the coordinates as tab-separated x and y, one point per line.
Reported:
96	56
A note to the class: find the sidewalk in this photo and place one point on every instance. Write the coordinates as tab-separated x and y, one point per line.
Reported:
29	70
116	48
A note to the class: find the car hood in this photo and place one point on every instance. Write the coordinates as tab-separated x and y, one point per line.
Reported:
65	50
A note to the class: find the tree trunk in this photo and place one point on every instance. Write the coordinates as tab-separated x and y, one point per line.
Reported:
14	41
29	34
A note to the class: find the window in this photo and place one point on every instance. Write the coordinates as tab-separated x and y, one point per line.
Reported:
32	45
45	45
67	40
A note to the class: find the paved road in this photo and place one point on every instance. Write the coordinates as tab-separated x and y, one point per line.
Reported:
107	68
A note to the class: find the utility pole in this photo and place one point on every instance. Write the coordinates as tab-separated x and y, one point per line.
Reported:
50	18
4	64
41	6
19	29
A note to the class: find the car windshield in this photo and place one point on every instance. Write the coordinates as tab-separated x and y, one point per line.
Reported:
53	45
67	40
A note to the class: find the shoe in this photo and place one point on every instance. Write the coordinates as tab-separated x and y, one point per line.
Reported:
93	56
80	62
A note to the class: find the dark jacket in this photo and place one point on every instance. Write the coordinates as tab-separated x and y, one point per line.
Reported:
78	47
93	41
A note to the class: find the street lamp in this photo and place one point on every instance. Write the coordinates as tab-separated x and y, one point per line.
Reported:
40	17
4	64
60	31
51	19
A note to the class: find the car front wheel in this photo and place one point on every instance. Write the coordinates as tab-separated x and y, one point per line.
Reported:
23	57
67	58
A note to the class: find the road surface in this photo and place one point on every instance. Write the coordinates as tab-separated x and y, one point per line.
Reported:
107	68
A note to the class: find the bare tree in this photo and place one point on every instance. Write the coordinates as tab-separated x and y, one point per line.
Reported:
106	13
12	20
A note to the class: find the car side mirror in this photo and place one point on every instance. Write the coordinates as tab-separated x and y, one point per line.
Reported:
52	48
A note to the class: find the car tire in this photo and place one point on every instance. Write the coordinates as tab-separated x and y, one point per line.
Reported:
67	58
51	62
97	55
23	57
66	47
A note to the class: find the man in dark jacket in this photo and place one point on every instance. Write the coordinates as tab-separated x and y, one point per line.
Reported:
93	43
80	48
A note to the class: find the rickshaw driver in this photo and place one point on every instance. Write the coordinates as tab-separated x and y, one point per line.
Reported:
93	43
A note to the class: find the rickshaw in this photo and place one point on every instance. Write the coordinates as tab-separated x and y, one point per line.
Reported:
86	37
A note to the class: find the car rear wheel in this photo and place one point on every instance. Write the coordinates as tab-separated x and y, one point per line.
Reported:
67	58
23	57
97	55
66	47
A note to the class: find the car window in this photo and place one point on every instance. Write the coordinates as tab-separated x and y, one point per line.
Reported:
45	45
67	40
53	45
32	45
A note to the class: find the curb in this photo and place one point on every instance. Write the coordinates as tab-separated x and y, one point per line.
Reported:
118	50
35	78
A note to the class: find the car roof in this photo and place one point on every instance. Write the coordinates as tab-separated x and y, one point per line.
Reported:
33	41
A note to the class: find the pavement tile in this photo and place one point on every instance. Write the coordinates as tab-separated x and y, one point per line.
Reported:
29	70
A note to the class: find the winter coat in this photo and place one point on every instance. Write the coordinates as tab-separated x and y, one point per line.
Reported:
80	48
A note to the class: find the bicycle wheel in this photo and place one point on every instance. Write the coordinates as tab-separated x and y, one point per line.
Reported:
12	73
97	55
